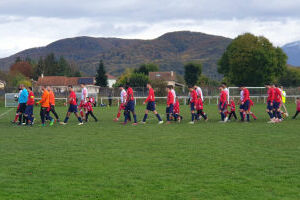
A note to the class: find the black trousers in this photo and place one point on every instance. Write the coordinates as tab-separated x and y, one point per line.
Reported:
45	115
200	112
90	113
297	112
52	109
232	113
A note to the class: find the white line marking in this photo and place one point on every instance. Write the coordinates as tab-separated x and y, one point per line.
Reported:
5	113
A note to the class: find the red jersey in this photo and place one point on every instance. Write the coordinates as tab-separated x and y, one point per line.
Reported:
251	102
277	96
176	107
232	105
130	96
151	96
30	101
72	98
199	105
246	95
194	96
271	94
170	99
223	96
92	100
89	106
298	105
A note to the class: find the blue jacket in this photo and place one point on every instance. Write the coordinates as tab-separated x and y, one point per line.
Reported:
23	98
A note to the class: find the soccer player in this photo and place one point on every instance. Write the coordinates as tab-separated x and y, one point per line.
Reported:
176	111
199	108
193	103
129	106
199	92
123	97
170	103
283	96
18	108
251	104
270	102
232	110
224	85
72	107
245	102
89	108
52	103
298	108
223	103
276	105
45	105
23	98
29	108
151	105
84	94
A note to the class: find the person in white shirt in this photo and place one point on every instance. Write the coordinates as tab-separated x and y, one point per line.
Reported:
123	97
199	92
225	88
84	95
174	93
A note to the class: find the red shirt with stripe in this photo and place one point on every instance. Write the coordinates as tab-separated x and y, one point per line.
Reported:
194	96
271	93
232	105
130	96
72	98
30	101
223	97
151	96
170	99
277	96
246	95
89	106
176	107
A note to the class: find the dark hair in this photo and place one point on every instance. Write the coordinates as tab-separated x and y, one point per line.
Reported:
223	83
169	86
30	88
190	86
70	86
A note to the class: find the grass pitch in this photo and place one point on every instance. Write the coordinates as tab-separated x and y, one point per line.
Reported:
107	160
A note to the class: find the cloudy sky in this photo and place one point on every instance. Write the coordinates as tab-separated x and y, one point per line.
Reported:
32	23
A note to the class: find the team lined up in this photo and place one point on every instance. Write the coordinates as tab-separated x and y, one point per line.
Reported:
226	106
26	102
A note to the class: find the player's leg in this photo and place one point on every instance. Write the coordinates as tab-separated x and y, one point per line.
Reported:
87	116
54	113
242	112
297	112
78	117
203	114
146	115
92	114
42	115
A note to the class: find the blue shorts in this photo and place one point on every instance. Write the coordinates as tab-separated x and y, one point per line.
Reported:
276	105
72	108
269	107
169	109
151	105
246	105
130	106
29	110
222	106
192	106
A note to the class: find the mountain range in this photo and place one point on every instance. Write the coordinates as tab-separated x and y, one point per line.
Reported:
170	51
293	52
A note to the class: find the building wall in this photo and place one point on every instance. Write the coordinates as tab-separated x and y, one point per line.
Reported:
111	82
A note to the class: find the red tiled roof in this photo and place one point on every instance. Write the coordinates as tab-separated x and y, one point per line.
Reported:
59	80
111	77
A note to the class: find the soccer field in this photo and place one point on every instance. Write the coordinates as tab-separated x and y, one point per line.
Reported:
107	160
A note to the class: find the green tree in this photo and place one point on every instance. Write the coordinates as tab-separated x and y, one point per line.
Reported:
138	80
252	61
146	68
290	78
192	72
63	67
39	69
51	65
101	77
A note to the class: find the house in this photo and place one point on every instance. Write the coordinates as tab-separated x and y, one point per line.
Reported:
168	77
111	80
2	85
60	83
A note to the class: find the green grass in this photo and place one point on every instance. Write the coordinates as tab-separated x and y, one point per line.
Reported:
107	160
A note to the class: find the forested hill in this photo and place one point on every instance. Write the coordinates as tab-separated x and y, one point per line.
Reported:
170	51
